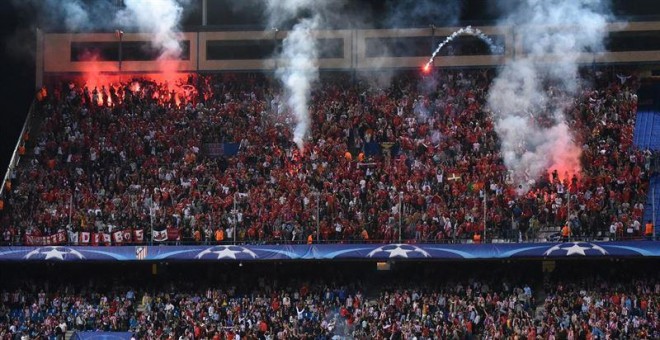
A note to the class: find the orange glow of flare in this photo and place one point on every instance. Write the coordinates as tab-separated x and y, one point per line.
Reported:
135	87
168	79
566	165
426	69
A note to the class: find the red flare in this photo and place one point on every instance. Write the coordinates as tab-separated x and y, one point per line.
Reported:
426	69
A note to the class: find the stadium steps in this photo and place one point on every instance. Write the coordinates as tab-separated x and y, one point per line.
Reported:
647	130
648	206
68	335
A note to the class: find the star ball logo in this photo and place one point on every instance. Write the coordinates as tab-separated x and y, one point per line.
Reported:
398	250
54	253
227	252
575	248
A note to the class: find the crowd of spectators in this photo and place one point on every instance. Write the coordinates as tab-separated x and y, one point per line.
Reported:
404	306
606	310
420	156
266	308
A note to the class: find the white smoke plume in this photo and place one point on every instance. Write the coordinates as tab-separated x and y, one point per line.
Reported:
160	17
75	15
300	51
527	90
72	15
299	67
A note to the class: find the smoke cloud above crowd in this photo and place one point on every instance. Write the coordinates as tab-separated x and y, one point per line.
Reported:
529	99
298	69
161	18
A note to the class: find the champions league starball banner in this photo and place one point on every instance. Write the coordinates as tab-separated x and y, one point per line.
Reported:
334	252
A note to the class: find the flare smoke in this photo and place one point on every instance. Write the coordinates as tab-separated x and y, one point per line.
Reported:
527	91
158	17
298	69
299	48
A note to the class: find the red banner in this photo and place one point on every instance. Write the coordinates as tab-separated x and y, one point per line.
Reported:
127	235
55	239
139	236
118	237
85	237
96	239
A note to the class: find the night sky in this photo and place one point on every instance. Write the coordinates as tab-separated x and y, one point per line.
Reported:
17	41
17	72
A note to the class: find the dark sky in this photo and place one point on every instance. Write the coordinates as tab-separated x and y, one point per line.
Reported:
17	71
17	41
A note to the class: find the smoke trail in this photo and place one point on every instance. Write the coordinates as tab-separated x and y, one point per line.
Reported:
529	99
464	31
299	54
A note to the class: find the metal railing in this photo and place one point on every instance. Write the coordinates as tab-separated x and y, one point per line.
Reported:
15	157
188	241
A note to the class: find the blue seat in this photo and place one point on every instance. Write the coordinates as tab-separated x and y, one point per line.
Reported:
653	195
647	130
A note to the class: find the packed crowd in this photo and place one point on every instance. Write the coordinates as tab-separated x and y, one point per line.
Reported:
606	310
419	158
268	308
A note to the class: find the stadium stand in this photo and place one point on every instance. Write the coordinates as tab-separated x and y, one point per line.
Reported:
156	191
134	162
646	130
335	300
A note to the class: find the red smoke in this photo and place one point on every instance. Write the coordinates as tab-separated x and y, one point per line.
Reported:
168	77
566	161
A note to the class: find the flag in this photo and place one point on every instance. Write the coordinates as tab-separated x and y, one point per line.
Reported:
160	235
107	238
